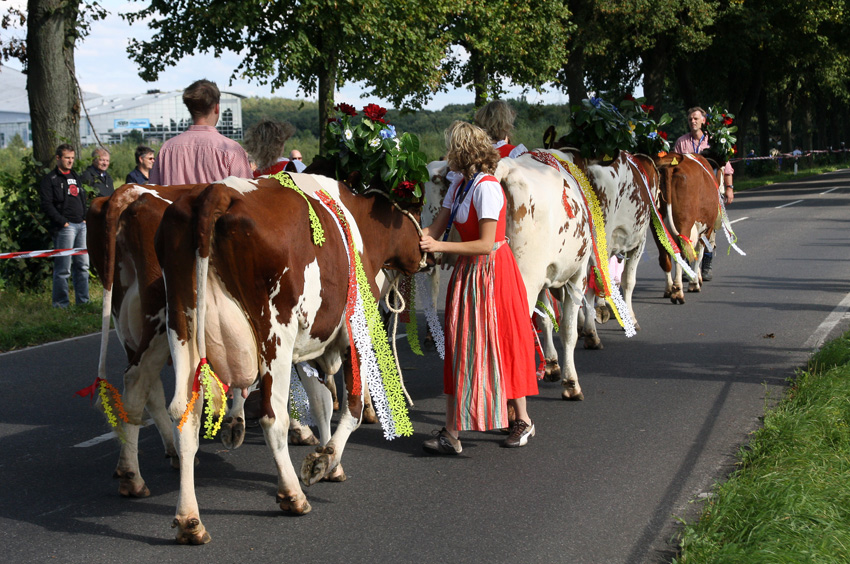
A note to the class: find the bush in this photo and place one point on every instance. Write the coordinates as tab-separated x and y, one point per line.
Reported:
23	227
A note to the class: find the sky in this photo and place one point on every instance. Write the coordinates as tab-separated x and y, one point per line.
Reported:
103	67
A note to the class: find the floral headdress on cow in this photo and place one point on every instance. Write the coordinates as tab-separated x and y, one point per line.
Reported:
719	128
373	148
599	129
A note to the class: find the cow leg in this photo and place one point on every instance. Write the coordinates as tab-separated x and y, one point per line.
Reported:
142	384
325	462
232	430
629	278
369	415
321	404
158	411
569	336
677	296
275	425
546	330
330	383
591	336
187	520
696	266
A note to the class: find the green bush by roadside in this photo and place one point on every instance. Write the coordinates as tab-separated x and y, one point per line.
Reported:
789	499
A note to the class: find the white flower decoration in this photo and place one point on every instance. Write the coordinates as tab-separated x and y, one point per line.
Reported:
374	142
348	134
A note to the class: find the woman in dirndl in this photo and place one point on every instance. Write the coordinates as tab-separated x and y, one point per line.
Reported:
489	342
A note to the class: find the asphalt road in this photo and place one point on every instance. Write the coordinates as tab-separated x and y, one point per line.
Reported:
604	480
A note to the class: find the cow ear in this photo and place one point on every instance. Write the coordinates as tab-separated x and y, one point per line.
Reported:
354	180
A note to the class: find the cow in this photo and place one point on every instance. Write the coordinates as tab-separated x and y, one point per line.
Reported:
626	188
267	296
120	240
548	231
689	201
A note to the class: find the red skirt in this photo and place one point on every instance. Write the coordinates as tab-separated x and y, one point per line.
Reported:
489	340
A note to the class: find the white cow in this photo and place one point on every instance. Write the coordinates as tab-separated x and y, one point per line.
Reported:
548	232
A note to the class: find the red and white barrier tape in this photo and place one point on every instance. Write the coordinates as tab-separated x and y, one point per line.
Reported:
42	254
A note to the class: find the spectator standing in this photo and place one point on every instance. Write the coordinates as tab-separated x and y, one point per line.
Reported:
696	142
497	119
295	155
487	290
200	154
265	141
63	200
96	175
144	163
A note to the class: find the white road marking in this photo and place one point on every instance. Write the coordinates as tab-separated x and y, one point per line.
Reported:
739	219
830	190
788	204
839	314
106	437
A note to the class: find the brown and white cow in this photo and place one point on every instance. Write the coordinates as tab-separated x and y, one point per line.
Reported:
268	297
120	239
689	203
548	231
626	189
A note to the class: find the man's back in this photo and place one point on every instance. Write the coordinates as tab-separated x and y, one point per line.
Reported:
199	155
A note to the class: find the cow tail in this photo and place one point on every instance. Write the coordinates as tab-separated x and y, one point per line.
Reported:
212	203
115	206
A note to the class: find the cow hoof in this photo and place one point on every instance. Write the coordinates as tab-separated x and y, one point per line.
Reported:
369	415
603	314
637	326
232	432
296	437
336	405
693	288
193	532
668	293
316	466
571	391
130	485
553	371
295	504
337	475
592	342
567	395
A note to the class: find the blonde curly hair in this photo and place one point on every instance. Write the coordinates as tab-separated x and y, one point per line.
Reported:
265	141
497	119
470	150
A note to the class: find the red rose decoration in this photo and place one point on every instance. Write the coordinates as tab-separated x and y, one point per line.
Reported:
647	108
375	113
404	190
663	134
727	121
629	97
347	109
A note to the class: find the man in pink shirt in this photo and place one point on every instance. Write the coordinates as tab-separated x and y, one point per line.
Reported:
696	142
201	154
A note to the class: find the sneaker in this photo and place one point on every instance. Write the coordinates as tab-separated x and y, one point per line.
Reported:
520	433
442	443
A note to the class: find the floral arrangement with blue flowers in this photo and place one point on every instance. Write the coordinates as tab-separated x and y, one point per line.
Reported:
599	129
373	147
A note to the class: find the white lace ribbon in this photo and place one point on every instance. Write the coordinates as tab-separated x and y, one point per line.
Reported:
431	313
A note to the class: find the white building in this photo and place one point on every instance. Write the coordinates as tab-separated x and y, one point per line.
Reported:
156	115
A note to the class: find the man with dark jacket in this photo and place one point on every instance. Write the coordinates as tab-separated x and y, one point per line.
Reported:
96	175
63	200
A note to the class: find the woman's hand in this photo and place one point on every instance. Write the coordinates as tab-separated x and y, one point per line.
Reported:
428	244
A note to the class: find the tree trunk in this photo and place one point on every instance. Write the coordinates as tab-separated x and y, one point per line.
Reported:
745	114
654	65
479	80
786	107
574	73
764	129
51	86
327	83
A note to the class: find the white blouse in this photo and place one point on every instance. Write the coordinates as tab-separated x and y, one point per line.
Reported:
487	196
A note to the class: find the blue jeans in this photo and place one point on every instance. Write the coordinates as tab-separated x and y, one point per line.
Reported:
71	237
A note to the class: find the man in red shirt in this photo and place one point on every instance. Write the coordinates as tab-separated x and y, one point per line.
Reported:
63	200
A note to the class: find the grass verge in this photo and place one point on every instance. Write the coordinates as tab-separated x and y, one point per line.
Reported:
789	499
743	182
28	319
